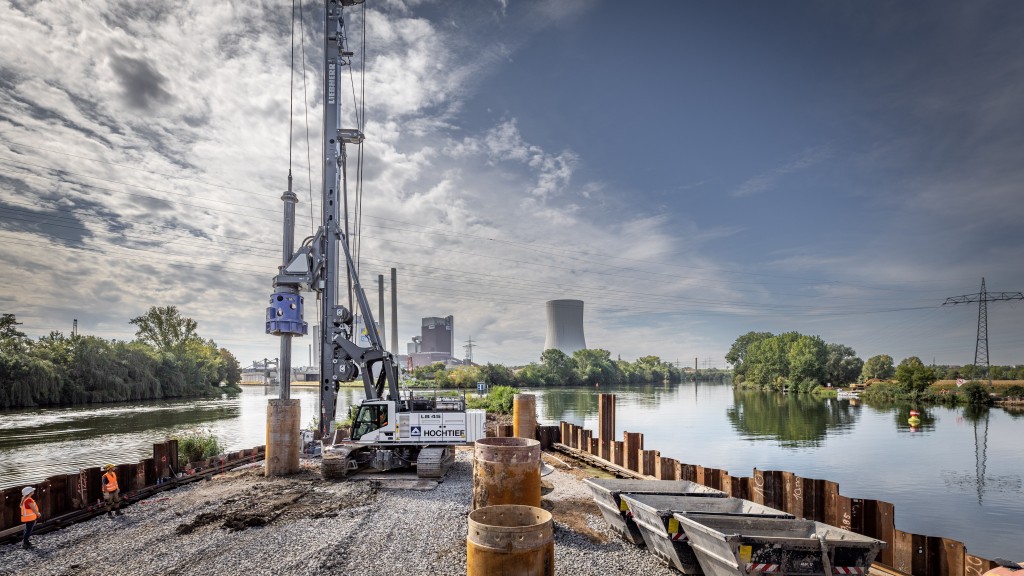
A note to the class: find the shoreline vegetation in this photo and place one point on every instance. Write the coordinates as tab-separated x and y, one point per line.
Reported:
168	359
793	362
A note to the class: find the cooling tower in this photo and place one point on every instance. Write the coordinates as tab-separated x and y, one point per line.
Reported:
565	326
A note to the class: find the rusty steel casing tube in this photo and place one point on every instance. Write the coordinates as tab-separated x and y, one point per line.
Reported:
506	471
510	540
283	437
524	416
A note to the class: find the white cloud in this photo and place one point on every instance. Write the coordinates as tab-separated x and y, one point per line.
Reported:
767	180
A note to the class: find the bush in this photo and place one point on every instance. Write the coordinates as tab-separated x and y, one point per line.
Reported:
975	394
500	399
196	445
1015	391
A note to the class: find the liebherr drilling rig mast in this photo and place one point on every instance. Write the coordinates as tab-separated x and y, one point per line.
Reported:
389	430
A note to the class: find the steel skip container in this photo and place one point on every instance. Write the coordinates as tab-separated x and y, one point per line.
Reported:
749	546
607	495
510	540
662	532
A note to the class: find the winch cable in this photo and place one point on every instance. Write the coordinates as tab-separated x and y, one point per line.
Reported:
305	100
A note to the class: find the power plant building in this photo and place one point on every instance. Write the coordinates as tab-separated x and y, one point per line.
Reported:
436	342
437	335
565	326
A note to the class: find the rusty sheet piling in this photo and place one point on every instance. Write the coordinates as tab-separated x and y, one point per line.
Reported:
68	498
809	498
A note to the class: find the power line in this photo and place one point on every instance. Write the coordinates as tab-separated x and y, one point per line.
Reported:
983	298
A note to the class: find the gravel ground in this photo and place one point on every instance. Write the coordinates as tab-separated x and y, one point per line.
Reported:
243	523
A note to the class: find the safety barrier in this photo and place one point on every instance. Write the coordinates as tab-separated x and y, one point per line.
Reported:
809	498
68	498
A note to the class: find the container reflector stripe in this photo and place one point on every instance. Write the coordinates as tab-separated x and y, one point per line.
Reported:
758	567
849	570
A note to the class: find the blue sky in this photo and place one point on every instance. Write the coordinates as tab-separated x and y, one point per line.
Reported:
691	170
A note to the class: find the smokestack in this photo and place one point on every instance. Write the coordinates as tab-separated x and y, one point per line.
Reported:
380	317
394	311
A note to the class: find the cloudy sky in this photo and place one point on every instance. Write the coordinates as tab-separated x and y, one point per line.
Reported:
691	170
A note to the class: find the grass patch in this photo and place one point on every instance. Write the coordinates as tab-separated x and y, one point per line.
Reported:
196	445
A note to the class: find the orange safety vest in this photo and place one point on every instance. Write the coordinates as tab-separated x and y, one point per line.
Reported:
27	514
111	484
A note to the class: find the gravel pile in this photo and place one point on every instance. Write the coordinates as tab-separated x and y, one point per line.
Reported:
241	523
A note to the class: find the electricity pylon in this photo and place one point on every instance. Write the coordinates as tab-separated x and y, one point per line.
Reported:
983	298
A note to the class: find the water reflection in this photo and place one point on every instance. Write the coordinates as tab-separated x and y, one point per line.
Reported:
794	420
901	413
577	404
42	442
51	426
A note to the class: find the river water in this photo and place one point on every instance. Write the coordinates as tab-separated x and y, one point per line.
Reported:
958	475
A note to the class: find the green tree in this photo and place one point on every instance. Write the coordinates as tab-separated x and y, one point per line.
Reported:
464	376
767	362
497	375
879	366
807	358
12	339
595	366
559	368
428	372
232	370
842	365
164	328
56	348
913	376
737	354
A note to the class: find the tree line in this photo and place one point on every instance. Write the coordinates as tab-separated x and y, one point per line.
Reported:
802	363
589	367
167	359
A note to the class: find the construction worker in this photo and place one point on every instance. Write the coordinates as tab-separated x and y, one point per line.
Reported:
111	495
29	514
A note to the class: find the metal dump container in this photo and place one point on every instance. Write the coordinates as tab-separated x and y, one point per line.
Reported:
749	545
653	514
607	493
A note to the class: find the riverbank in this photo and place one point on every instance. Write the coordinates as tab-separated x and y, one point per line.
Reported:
243	523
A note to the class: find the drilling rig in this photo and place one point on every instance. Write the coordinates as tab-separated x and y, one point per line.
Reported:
390	429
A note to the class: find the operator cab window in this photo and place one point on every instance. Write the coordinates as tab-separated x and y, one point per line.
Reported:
368	419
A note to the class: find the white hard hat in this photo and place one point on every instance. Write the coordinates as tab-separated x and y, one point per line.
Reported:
27	490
